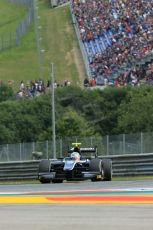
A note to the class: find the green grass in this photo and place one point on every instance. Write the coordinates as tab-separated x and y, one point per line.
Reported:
129	178
58	41
10	16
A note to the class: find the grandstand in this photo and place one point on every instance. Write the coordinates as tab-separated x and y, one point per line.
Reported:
117	37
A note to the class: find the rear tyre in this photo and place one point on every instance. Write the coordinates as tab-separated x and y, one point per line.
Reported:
44	167
107	169
44	181
96	166
55	181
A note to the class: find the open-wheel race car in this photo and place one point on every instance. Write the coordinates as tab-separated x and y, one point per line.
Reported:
79	164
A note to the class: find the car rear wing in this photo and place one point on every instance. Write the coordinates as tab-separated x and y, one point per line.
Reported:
85	150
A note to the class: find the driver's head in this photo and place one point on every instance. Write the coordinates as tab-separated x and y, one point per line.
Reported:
76	149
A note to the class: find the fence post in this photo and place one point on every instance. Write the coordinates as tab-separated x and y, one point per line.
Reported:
61	148
123	143
91	141
7	152
141	142
17	36
33	146
20	151
107	150
47	150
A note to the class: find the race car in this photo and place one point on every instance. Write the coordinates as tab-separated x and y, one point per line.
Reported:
79	164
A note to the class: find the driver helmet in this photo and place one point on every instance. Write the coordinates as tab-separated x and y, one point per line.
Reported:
76	149
76	153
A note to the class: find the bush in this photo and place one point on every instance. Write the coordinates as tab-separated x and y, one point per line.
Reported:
6	92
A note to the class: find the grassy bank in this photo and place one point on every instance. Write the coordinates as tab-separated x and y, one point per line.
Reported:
58	42
10	16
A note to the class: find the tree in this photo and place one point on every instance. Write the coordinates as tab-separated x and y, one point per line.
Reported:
136	113
72	124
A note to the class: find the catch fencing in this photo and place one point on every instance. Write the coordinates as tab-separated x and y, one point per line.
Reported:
12	39
123	144
131	155
27	3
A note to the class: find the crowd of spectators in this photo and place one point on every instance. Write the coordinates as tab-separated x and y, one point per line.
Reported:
129	26
37	88
142	74
61	2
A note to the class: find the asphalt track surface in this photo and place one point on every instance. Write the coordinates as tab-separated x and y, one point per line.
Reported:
118	215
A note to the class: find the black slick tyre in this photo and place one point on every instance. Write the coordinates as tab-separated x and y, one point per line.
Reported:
55	181
44	167
107	169
95	166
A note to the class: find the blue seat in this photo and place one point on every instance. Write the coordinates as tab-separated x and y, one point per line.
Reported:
95	46
107	39
98	45
92	47
86	48
103	42
110	33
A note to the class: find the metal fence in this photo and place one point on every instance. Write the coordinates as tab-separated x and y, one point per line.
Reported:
123	144
84	54
22	27
129	144
12	39
27	3
39	150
